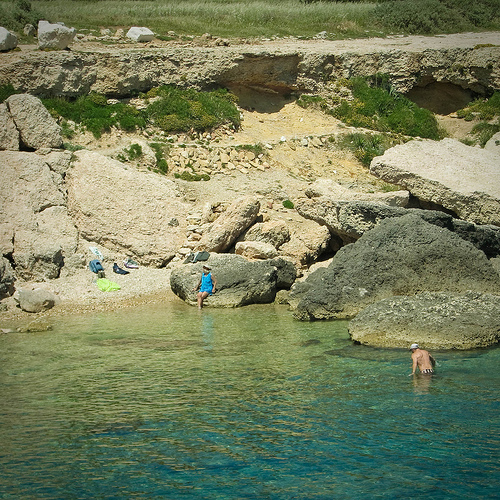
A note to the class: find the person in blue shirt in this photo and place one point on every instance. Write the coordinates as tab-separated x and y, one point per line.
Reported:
206	286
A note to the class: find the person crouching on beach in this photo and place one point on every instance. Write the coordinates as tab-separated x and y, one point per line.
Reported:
422	360
206	286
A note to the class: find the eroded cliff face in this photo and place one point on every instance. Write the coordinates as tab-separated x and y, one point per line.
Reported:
469	63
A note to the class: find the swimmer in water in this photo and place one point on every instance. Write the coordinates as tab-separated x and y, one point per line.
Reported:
422	360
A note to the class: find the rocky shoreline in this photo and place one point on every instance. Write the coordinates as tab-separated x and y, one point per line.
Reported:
300	223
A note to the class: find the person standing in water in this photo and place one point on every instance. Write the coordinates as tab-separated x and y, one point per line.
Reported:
422	360
206	286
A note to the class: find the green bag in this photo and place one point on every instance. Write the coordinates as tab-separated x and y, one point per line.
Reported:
107	286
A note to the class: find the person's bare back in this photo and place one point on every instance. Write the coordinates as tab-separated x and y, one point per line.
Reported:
422	360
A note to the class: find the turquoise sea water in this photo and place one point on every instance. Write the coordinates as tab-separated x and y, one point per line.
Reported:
170	402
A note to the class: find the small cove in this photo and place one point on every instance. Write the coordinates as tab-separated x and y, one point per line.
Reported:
169	402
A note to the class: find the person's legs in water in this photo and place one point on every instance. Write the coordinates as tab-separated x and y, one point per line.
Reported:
201	297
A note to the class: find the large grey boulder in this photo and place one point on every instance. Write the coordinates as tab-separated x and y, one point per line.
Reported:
9	135
37	300
402	256
127	211
435	320
350	220
463	179
226	229
54	36
36	126
8	40
239	281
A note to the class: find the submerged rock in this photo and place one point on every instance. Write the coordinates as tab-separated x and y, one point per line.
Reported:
36	300
436	320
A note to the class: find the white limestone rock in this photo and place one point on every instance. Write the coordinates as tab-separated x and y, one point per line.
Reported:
138	34
9	136
36	126
8	40
463	179
54	36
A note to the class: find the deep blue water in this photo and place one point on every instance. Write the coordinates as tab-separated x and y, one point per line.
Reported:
170	402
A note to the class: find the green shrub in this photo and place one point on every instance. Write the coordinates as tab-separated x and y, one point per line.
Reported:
161	163
366	146
15	15
189	176
180	110
256	149
6	91
375	105
95	115
288	204
437	16
485	131
483	109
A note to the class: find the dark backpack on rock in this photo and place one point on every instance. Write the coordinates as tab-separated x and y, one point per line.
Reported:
96	267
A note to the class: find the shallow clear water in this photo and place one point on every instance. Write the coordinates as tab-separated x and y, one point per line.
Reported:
170	402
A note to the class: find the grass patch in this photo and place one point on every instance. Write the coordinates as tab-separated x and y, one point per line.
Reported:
438	16
372	103
257	149
288	204
485	110
160	151
258	18
484	131
366	146
6	91
223	18
94	114
482	109
191	177
183	110
177	110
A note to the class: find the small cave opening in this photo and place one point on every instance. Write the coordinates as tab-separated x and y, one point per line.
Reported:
261	99
442	98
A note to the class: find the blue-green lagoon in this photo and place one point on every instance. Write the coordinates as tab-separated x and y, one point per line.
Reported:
170	402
